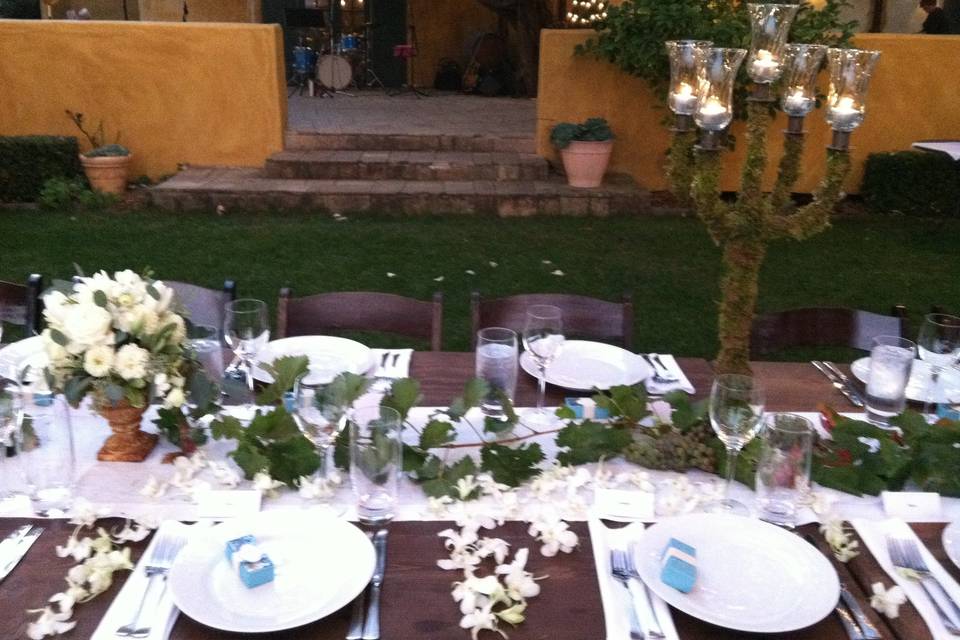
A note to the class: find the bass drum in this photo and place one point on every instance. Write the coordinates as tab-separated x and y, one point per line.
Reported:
334	72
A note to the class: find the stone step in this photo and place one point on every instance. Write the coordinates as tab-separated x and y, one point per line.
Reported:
407	165
314	140
250	189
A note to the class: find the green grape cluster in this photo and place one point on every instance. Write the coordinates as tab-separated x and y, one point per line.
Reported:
668	449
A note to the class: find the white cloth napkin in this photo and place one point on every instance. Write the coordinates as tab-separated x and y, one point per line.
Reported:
659	388
616	600
125	604
391	369
873	533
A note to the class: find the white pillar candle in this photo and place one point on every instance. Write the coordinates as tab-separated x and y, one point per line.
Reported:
713	114
683	99
797	104
844	115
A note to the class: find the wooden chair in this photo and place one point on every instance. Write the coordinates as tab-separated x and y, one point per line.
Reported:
582	316
22	304
823	327
361	311
204	306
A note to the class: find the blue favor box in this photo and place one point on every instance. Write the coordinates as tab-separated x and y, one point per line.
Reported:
253	573
678	566
586	408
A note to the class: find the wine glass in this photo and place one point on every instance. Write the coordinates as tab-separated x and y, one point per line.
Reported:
318	420
939	346
246	331
543	339
736	414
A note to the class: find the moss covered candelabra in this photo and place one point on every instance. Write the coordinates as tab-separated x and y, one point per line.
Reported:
701	94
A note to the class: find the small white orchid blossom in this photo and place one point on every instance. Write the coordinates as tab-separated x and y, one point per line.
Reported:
887	601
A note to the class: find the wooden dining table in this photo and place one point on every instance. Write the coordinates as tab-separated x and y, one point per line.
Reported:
416	594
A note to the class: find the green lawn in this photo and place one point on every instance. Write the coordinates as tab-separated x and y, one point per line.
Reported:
669	264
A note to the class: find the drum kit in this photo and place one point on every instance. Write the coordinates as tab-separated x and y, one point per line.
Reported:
343	63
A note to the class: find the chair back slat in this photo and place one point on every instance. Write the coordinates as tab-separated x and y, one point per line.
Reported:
583	317
203	306
22	304
823	327
338	312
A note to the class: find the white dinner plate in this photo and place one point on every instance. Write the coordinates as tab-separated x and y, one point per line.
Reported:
350	354
320	564
948	389
751	575
17	355
583	365
951	542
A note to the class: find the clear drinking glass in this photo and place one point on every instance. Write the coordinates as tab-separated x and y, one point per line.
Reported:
736	414
891	361
783	471
543	339
246	330
204	341
9	464
939	346
375	462
46	452
496	364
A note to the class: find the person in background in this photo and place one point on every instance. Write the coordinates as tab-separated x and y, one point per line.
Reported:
936	21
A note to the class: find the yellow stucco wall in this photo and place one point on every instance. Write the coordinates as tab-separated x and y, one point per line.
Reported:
193	93
911	98
201	10
445	29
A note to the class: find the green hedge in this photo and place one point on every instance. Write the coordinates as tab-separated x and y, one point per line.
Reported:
917	183
27	162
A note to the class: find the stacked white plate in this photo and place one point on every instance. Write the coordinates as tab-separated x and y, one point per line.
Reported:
349	354
582	365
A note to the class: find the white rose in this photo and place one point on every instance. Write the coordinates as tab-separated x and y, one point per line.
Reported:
174	399
55	306
86	325
163	303
98	360
131	362
100	281
56	353
131	289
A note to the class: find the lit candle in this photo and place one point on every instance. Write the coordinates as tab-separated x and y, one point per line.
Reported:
683	99
797	104
713	115
764	68
844	116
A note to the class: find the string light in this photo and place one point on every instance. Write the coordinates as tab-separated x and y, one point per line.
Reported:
586	12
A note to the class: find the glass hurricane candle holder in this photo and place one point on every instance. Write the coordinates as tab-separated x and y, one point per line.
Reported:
685	56
717	76
769	27
850	71
801	63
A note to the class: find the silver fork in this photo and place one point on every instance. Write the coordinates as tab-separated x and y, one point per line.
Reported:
161	558
905	555
618	569
657	376
655	632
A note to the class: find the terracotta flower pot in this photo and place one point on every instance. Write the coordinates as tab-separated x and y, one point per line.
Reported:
128	443
107	173
586	162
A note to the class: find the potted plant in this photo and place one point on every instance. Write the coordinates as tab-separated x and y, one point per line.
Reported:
106	165
585	149
118	341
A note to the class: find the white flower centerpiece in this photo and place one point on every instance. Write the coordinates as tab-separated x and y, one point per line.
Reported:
119	341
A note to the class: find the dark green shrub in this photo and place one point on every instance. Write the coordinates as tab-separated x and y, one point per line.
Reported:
70	194
592	130
27	162
912	182
20	9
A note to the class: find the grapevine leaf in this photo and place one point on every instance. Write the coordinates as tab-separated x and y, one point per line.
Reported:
250	460
436	434
625	402
227	427
590	441
473	393
446	483
347	388
496	425
291	458
686	414
404	395
511	466
413	458
430	469
285	371
341	450
566	413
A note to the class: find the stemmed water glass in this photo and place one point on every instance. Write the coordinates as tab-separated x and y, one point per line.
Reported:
543	339
319	421
939	346
736	414
246	330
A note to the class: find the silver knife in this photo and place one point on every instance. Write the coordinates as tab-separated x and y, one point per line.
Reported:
845	380
371	626
869	631
855	401
11	540
23	545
